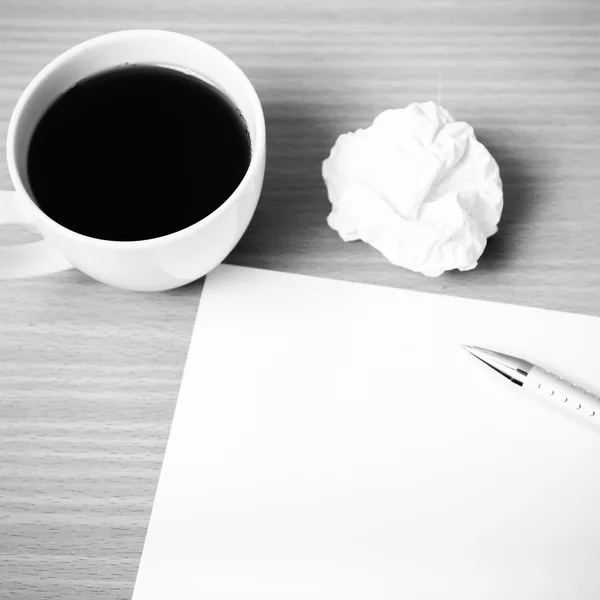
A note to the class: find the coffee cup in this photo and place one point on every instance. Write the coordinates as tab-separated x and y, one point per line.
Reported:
154	264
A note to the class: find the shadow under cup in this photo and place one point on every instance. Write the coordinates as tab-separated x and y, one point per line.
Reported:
170	260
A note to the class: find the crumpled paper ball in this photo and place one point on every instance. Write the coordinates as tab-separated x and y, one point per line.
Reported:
418	187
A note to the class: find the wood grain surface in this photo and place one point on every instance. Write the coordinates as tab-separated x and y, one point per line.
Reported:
89	375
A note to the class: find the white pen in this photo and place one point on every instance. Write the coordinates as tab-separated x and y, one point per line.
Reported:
531	377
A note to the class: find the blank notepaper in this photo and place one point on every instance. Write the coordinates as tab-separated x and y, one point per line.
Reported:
332	440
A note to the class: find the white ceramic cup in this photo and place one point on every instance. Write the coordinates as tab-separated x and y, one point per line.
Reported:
147	265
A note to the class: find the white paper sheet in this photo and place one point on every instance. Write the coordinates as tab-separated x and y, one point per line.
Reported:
333	441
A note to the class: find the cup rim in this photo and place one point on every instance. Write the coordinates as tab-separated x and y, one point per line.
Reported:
257	149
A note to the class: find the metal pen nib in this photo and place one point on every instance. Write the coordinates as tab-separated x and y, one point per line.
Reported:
513	368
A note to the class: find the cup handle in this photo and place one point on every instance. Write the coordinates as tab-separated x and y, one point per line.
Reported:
30	259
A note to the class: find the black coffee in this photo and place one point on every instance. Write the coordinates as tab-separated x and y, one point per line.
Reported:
137	152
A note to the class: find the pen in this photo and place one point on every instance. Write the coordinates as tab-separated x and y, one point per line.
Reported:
531	377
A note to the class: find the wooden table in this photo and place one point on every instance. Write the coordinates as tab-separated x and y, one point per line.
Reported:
89	374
